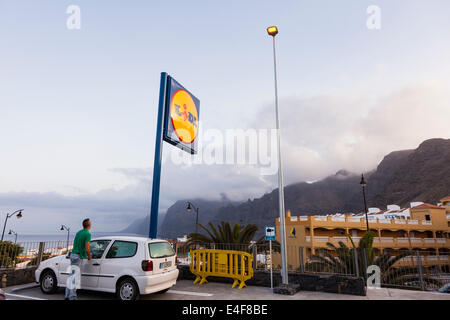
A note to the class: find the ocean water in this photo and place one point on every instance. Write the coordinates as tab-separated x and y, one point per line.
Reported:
35	238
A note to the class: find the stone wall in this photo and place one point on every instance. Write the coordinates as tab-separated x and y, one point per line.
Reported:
18	276
308	282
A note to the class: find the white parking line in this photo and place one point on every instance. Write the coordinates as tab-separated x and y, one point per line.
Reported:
189	293
21	296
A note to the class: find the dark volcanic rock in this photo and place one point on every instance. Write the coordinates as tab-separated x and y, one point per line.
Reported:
422	174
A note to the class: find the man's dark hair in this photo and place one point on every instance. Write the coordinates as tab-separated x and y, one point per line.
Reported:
85	223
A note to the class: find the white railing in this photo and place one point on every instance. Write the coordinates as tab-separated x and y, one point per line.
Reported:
402	240
387	239
293	218
337	239
429	240
426	223
432	258
354	219
413	221
304	218
320	218
321	239
441	240
416	240
384	221
443	258
341	219
400	221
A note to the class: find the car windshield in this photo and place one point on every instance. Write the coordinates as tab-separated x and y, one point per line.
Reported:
160	250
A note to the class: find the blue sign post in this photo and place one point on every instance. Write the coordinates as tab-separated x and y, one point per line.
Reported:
158	158
270	236
177	123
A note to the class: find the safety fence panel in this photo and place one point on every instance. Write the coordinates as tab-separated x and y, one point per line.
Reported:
237	265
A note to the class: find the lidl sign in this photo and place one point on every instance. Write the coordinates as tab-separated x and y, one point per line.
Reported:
181	117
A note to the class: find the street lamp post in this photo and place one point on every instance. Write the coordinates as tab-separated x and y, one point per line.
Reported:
15	235
273	31
9	215
188	208
363	184
63	227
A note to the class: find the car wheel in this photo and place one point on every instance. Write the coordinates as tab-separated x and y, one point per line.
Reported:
127	290
48	282
163	291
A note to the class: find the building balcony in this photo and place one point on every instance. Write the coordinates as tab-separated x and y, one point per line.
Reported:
383	242
403	241
360	222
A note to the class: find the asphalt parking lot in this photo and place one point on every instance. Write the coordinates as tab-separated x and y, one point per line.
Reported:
186	290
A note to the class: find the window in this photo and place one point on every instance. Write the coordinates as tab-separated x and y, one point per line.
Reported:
122	249
427	217
160	250
97	248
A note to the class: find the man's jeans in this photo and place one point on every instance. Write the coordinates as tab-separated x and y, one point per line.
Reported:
71	291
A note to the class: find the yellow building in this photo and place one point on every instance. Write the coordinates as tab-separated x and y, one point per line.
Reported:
425	227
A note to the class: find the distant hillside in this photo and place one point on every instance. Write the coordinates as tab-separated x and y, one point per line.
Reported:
422	174
418	175
177	221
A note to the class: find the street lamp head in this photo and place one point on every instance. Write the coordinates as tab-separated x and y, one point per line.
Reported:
188	208
62	228
363	182
19	215
10	232
273	31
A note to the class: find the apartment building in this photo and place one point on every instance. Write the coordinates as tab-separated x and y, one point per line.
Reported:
422	226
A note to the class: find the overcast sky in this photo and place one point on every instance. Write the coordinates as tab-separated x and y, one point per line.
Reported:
78	107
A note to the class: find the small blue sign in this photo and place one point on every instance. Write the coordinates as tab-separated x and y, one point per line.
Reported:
270	233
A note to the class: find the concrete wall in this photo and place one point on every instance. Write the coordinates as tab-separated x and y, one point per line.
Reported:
308	282
18	276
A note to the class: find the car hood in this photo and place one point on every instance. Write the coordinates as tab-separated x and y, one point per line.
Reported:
52	261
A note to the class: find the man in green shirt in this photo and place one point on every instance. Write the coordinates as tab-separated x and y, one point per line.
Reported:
80	250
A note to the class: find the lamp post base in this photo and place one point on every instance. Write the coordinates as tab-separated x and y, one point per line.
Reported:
287	290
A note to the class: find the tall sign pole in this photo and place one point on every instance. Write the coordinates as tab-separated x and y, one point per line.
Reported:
158	158
273	31
177	124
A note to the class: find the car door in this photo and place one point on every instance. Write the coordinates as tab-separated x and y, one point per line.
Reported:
63	270
121	258
90	269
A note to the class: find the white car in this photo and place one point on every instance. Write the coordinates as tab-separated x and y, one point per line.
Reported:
126	266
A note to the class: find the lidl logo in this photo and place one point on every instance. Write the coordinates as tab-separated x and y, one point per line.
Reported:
181	117
184	116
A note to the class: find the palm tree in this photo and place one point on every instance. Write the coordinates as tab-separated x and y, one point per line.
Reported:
343	260
225	236
224	233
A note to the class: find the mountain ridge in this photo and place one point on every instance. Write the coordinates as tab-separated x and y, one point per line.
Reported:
421	174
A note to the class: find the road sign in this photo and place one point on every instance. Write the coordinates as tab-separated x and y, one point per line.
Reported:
270	233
